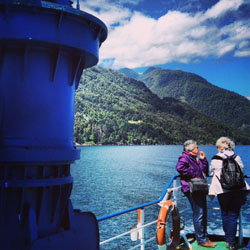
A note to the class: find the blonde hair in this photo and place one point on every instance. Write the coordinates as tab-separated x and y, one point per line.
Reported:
225	143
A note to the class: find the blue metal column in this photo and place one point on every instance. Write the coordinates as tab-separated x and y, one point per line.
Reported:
44	46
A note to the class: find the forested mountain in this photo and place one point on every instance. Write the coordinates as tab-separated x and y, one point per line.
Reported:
112	108
226	106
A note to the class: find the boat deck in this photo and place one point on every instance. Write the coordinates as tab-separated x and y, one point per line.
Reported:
220	244
173	192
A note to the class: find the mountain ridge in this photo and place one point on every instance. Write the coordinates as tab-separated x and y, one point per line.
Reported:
200	94
112	108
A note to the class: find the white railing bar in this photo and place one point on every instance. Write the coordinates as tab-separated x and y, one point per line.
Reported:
142	231
184	210
128	232
151	239
146	225
116	237
174	188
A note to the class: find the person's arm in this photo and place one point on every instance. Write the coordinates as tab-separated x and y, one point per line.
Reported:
215	167
203	163
184	168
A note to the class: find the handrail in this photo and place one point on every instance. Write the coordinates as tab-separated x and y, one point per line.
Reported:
145	204
129	232
140	206
141	226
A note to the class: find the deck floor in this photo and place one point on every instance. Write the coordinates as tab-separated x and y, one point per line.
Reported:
220	245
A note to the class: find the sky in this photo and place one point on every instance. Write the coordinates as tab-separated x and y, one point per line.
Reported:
210	38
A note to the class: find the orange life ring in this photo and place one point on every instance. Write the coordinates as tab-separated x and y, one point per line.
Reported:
161	226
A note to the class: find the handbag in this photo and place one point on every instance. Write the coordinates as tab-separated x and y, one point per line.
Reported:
198	186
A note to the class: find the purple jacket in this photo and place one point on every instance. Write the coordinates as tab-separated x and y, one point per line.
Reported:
189	168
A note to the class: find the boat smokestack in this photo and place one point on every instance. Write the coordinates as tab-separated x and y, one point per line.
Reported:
44	47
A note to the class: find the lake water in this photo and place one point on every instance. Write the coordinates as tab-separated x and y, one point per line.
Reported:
109	179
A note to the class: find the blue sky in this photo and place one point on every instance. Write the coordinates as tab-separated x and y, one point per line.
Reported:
208	37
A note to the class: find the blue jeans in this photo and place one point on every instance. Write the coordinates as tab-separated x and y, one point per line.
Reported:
230	204
199	206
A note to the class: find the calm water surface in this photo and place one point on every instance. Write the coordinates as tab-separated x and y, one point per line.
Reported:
108	179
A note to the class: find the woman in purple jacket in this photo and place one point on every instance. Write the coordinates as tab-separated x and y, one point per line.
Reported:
190	166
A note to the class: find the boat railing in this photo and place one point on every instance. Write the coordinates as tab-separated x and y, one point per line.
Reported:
170	192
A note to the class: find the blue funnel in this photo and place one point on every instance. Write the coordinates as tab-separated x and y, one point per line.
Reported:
44	46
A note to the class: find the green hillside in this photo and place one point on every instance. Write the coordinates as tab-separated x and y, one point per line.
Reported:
226	106
112	108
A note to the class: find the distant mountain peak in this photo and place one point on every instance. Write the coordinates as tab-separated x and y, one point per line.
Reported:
129	72
149	70
201	95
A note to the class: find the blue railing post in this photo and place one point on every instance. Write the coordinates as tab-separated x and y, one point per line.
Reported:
44	46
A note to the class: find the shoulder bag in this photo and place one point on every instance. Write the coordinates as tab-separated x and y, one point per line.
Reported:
198	185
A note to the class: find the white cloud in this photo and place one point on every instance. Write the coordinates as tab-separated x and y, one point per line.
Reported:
244	49
132	2
242	53
244	44
237	39
222	7
136	40
109	13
